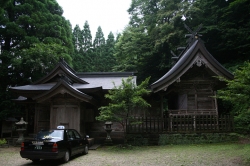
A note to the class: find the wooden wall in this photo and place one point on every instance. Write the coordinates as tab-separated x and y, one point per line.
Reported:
42	117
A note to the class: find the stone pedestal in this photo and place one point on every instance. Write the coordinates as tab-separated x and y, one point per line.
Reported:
20	129
20	134
108	129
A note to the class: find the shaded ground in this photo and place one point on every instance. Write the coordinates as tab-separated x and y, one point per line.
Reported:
237	154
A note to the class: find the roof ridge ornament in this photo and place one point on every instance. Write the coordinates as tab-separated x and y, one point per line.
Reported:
194	35
64	63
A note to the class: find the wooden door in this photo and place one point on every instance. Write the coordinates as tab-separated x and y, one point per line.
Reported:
66	115
42	118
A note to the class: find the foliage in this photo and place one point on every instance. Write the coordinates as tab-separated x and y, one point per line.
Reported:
237	93
124	101
130	50
204	138
137	140
93	57
33	35
156	28
225	27
109	60
3	141
82	48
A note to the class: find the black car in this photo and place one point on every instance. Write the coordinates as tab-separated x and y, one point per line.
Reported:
54	144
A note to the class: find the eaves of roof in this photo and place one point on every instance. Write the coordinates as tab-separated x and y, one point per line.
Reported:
196	52
60	69
62	87
104	74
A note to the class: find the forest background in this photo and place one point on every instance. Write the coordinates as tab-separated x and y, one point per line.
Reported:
34	35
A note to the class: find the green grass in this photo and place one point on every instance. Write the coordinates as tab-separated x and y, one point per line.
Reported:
204	154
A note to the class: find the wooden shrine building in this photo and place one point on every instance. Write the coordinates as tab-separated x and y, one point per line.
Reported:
65	97
191	84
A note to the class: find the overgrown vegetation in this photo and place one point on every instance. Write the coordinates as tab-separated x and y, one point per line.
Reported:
237	93
3	141
204	138
33	36
124	101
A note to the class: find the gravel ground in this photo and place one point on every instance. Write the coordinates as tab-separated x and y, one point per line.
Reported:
207	155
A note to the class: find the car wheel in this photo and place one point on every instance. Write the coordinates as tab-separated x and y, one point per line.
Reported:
66	157
86	149
35	160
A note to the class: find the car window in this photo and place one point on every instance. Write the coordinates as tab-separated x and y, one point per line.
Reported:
50	134
77	134
71	134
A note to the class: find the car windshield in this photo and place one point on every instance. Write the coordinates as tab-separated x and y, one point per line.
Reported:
50	134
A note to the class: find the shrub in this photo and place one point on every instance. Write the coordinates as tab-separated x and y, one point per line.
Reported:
166	139
3	141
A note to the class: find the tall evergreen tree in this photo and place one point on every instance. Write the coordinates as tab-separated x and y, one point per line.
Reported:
87	48
99	51
87	37
99	38
77	38
225	27
33	35
77	56
109	52
155	29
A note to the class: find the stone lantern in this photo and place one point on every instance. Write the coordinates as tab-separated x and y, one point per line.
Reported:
108	129
20	128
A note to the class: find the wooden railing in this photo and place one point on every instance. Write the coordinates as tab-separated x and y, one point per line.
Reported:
193	112
181	124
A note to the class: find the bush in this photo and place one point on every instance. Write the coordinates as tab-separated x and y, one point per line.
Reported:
137	140
166	139
3	141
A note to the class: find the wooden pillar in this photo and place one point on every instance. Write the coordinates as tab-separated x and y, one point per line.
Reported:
215	103
161	105
194	122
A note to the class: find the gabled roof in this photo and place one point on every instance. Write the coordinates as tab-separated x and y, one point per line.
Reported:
60	70
63	87
196	54
63	79
103	81
106	80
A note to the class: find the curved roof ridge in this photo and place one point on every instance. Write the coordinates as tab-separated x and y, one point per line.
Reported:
62	87
187	60
177	65
59	69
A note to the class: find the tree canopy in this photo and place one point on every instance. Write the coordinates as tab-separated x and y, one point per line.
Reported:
124	101
33	36
93	56
237	93
156	28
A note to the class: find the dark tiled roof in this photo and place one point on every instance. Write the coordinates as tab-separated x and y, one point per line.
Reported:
94	82
65	78
196	51
63	87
